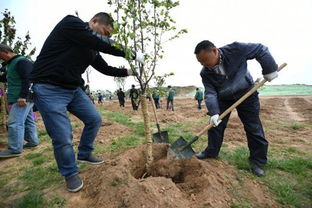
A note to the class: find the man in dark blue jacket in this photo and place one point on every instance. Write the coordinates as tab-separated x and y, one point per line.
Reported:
70	48
226	78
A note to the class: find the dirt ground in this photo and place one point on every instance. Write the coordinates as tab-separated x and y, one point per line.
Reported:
122	181
191	183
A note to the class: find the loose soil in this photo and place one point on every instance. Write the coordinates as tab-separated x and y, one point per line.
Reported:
171	183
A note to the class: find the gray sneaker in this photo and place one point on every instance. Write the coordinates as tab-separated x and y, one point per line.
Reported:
91	160
8	154
28	145
73	183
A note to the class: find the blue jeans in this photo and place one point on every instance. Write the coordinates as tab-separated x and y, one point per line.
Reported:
53	102
21	126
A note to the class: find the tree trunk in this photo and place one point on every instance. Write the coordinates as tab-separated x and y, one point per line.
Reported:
148	138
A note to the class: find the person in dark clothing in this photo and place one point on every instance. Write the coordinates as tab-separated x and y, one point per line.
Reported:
170	98
100	99
156	98
121	97
21	123
226	78
199	96
70	48
134	96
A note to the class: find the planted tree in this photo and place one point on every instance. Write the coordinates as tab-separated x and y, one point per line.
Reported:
144	25
19	45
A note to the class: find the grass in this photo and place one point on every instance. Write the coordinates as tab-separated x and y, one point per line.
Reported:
288	177
30	200
121	143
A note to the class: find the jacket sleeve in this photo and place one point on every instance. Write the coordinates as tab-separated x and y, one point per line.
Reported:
100	65
76	30
261	53
211	97
24	68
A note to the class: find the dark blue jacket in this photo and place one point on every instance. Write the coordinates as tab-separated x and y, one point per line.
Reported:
237	80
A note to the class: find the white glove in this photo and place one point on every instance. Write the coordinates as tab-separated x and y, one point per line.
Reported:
214	120
139	57
269	77
133	72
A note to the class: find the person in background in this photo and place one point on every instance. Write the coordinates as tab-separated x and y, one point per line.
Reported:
170	98
156	98
134	96
199	96
100	99
121	97
21	124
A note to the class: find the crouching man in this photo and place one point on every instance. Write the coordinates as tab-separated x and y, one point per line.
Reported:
226	79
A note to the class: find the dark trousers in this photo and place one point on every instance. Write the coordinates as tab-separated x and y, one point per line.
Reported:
248	112
170	105
199	104
121	102
135	104
156	101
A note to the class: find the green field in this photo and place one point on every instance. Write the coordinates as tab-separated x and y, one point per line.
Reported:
295	89
286	90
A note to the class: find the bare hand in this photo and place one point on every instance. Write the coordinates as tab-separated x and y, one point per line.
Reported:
21	102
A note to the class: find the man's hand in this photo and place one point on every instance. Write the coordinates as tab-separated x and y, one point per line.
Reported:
21	102
139	57
134	71
269	77
214	120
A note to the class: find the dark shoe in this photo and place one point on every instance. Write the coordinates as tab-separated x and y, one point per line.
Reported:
8	154
91	160
257	170
28	145
74	183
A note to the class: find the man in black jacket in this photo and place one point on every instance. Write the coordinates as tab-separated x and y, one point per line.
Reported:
121	97
70	48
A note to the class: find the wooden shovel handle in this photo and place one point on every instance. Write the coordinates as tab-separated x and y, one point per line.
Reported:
154	108
230	109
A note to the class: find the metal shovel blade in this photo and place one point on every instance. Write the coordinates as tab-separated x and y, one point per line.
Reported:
161	137
180	149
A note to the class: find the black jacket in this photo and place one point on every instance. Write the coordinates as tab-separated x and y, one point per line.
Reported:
69	49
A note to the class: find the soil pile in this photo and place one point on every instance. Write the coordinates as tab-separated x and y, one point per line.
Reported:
171	183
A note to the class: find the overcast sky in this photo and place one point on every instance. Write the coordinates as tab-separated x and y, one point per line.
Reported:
282	25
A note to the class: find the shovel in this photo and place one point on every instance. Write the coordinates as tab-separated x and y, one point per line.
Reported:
181	149
160	136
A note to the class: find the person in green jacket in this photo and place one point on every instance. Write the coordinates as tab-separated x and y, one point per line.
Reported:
156	98
21	124
199	97
170	98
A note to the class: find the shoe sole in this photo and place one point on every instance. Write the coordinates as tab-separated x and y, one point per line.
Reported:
76	189
92	163
8	156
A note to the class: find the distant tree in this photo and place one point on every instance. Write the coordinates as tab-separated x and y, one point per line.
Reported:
20	46
120	82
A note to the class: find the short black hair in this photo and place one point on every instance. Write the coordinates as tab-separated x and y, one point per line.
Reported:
204	45
197	88
104	18
169	86
133	86
5	48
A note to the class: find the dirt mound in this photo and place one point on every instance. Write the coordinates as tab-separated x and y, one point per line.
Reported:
172	183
